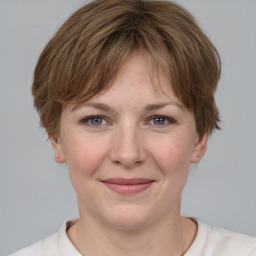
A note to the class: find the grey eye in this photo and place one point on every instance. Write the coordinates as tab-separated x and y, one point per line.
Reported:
159	120
96	121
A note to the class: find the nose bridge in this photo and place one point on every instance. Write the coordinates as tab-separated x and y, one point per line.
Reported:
128	147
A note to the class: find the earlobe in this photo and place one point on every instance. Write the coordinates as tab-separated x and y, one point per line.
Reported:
57	150
199	148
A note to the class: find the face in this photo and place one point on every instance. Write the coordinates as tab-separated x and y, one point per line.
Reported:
128	150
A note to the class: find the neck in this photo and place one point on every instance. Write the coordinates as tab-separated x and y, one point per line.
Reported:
173	236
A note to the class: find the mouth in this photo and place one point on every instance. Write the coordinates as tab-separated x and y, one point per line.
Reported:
128	186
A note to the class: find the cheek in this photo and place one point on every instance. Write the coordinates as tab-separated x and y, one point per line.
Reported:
172	153
84	156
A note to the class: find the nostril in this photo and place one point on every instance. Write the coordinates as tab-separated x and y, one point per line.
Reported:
117	162
128	164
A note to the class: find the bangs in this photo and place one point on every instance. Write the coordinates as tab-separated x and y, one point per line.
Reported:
85	56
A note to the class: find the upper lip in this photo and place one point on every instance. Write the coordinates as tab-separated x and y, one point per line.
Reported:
123	181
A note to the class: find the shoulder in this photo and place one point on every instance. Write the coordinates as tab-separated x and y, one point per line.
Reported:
47	246
212	240
54	245
220	239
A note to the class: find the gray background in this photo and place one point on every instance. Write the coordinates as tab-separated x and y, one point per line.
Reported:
36	196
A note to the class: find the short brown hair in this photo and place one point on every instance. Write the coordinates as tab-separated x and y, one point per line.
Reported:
86	53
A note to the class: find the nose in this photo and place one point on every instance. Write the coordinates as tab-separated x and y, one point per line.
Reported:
127	147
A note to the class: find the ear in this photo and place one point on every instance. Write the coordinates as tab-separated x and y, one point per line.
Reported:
59	156
199	148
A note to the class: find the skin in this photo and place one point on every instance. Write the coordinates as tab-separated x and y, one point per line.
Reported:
129	141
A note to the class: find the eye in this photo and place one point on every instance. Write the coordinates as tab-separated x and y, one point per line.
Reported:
161	121
94	121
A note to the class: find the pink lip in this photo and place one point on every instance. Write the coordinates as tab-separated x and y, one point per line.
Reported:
128	186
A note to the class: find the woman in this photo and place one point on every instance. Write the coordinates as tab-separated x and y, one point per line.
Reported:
125	91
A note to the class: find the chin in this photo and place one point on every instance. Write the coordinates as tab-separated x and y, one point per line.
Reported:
129	218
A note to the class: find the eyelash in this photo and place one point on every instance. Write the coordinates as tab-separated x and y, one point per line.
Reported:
166	118
85	121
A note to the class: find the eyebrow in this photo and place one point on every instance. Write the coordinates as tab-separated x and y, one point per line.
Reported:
106	108
151	107
100	106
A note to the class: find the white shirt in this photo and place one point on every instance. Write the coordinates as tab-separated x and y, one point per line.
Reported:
209	241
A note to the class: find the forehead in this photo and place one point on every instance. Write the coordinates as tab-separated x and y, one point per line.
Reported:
138	76
134	88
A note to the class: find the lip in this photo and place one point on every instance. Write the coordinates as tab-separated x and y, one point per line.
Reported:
128	186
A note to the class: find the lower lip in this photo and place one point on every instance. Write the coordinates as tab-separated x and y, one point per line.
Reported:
128	189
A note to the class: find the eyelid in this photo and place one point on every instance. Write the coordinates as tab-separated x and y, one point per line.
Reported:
169	119
88	118
84	121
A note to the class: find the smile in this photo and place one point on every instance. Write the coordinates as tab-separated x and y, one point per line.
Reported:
128	186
